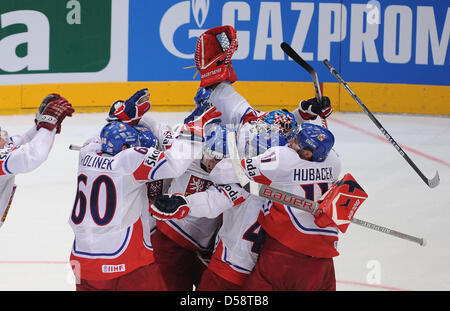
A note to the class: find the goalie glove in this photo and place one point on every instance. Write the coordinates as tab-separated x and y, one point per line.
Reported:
340	203
53	114
213	53
311	108
169	206
195	129
132	110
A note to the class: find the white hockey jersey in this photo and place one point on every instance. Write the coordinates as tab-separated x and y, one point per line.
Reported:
110	218
239	238
22	154
195	233
282	168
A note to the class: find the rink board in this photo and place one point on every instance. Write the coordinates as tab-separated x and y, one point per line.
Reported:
263	95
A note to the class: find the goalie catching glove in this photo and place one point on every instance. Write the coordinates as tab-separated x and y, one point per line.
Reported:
132	110
340	203
311	108
213	53
53	110
169	206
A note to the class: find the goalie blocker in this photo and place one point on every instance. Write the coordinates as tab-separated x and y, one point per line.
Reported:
339	204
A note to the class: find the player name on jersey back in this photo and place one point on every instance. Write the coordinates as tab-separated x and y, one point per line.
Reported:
313	174
97	162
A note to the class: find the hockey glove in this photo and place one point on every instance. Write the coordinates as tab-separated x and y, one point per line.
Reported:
53	115
201	104
132	110
195	129
47	99
311	108
169	206
340	203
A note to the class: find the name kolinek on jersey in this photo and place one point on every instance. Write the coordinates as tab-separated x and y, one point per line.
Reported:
97	162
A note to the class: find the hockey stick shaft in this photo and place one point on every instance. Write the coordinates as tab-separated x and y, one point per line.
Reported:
430	182
294	200
74	147
299	60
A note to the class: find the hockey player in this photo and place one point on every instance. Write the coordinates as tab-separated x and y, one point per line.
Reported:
213	53
297	253
108	218
23	154
240	236
181	246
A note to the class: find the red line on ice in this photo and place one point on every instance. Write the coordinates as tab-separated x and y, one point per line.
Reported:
382	138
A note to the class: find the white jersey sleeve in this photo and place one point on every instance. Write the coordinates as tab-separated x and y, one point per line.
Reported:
214	201
24	138
234	107
27	157
163	132
171	163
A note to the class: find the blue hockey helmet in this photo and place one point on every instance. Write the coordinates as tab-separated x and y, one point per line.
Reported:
146	137
314	137
216	141
116	134
281	118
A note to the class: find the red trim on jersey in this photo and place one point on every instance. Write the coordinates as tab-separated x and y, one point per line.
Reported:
2	172
143	171
223	269
279	225
251	116
237	201
261	178
176	236
135	256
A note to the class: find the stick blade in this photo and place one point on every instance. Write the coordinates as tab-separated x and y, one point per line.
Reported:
432	183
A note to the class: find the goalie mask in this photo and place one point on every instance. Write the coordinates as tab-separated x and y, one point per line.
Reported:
213	53
282	119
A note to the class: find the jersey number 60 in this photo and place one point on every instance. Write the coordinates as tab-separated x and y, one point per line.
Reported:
81	200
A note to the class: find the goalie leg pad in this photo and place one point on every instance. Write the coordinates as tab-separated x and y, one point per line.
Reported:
340	203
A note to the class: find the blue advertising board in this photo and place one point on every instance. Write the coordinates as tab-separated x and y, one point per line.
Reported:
395	41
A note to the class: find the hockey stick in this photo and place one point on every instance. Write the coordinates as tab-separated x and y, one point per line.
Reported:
74	147
293	200
297	58
430	182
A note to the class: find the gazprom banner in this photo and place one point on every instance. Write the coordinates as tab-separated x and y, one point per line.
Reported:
395	41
